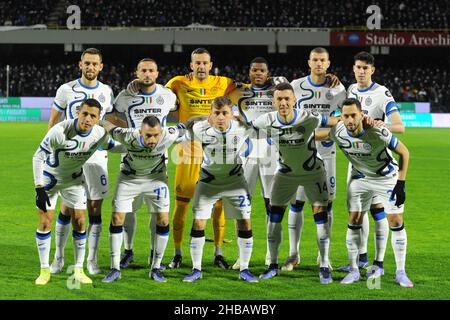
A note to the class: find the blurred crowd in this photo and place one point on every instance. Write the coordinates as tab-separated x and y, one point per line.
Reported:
418	84
401	14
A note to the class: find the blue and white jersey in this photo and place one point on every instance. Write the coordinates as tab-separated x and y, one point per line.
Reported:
376	100
157	103
322	99
66	150
141	160
70	95
369	152
223	152
295	140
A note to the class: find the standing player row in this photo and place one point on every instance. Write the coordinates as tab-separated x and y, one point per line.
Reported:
311	92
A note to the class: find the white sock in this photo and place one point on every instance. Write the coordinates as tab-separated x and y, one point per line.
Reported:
274	237
323	241
295	225
196	247
399	242
353	240
62	230
43	244
152	228
129	230
94	235
115	244
161	238
217	251
79	247
364	233
381	235
245	251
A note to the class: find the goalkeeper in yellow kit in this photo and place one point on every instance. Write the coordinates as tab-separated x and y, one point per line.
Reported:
194	98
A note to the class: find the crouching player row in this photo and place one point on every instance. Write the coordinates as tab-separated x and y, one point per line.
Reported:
143	173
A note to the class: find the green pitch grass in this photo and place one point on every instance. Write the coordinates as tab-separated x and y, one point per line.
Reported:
427	222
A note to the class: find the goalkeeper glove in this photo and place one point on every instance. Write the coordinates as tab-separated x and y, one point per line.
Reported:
399	193
42	199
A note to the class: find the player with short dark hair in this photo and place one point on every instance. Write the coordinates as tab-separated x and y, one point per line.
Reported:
376	179
57	168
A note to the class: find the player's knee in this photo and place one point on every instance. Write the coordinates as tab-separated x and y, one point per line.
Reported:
162	219
395	220
79	222
355	218
95	207
45	224
378	213
198	224
276	214
117	219
243	224
181	201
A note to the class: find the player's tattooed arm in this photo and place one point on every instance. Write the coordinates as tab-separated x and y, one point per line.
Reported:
115	118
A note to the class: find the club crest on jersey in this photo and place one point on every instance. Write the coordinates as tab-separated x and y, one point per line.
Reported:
160	100
235	140
368	101
361	146
214	91
101	98
329	95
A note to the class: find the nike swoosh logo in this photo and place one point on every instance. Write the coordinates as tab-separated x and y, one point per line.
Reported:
136	101
304	95
191	90
78	97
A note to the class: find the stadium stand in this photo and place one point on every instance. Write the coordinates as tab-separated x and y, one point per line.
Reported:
405	14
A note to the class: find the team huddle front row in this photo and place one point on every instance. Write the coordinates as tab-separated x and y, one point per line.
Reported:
376	181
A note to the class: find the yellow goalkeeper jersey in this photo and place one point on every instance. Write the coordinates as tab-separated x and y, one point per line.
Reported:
195	97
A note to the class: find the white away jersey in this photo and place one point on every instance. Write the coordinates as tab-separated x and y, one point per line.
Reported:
295	140
223	152
376	100
136	107
253	102
67	150
369	152
320	98
139	159
70	95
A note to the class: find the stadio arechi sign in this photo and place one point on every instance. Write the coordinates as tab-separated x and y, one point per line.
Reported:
390	39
